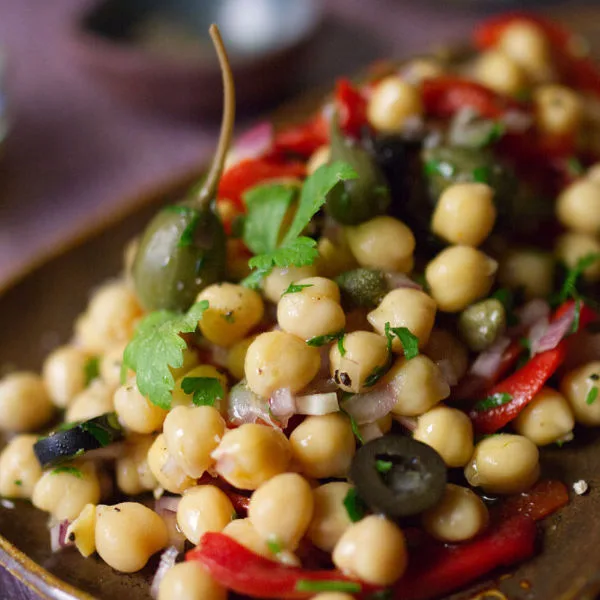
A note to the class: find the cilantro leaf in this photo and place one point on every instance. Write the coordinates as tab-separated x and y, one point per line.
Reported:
156	346
383	466
569	287
481	174
321	340
18	482
69	470
91	369
376	374
206	390
327	585
294	288
354	506
592	396
435	167
340	345
492	401
274	546
496	131
353	424
409	341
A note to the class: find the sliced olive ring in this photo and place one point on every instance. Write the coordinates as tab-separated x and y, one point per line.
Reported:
398	476
74	439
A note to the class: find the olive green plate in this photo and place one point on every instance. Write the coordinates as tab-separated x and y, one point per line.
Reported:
37	313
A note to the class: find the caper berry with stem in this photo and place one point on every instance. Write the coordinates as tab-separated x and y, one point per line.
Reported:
482	323
183	248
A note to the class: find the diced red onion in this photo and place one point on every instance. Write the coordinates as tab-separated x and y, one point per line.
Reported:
446	366
244	406
370	431
370	406
400	280
254	142
409	423
170	503
317	404
172	470
58	535
529	314
282	405
167	560
108	453
219	355
546	336
517	121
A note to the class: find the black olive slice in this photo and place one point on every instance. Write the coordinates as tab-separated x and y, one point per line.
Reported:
74	439
398	476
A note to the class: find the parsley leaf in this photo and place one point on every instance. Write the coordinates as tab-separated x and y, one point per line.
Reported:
340	345
493	401
437	167
69	470
569	287
156	346
376	374
18	482
574	167
299	253
327	585
294	288
354	506
353	423
496	131
206	390
592	396
321	340
91	369
274	546
481	174
383	466
409	341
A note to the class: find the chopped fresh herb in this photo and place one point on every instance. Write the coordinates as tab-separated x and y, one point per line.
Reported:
234	516
187	235
294	288
69	470
156	347
267	206
576	317
228	317
355	428
497	130
274	546
409	341
436	167
103	436
354	505
592	396
525	343
91	369
206	390
481	174
507	298
321	340
376	374
560	443
574	167
493	401
340	345
18	482
384	466
308	585
595	376
569	287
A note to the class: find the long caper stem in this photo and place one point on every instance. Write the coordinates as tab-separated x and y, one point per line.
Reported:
208	190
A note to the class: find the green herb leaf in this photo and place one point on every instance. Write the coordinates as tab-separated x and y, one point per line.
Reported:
206	390
254	280
354	505
294	288
156	346
274	546
18	482
376	374
497	130
574	167
576	317
507	298
321	340
330	585
228	317
69	470
103	436
592	396
340	345
493	401
409	341
91	369
569	287
384	466
298	253
436	167
481	174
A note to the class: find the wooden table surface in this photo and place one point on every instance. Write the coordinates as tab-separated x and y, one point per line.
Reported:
75	151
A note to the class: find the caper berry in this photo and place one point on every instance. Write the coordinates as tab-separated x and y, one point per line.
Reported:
482	323
362	288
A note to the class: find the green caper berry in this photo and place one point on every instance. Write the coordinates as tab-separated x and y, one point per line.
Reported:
481	324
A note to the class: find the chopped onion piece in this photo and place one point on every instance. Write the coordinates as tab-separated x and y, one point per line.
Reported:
282	405
529	314
254	142
370	431
317	404
546	336
370	406
409	423
58	535
244	406
170	503
446	366
167	560
400	280
176	537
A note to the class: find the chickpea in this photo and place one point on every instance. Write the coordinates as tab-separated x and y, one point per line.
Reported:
572	247
500	72
167	472
201	509
180	398
458	276
277	359
482	323
308	314
109	319
82	531
244	533
64	493
418	385
110	366
527	44
334	257
330	517
578	388
528	270
408	308
252	454
465	214
237	356
419	69
443	346
64	374
322	287
24	402
323	446
449	432
93	401
366	353
382	243
546	419
136	412
558	109
191	434
281	510
19	468
279	279
132	470
373	550
504	464
593	172
459	516
190	361
190	581
578	206
392	103
128	534
233	310
317	159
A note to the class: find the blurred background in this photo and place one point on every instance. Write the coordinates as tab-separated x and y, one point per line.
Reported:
103	101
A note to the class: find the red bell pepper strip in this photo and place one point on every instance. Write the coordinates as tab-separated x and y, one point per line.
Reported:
242	571
436	570
252	171
543	499
351	107
444	96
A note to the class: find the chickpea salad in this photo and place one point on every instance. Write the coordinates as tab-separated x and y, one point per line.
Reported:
328	370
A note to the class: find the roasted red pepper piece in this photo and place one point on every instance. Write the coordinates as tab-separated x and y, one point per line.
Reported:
252	171
242	571
446	95
351	107
436	570
543	499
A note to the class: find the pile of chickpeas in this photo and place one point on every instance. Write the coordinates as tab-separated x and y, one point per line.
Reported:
168	451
